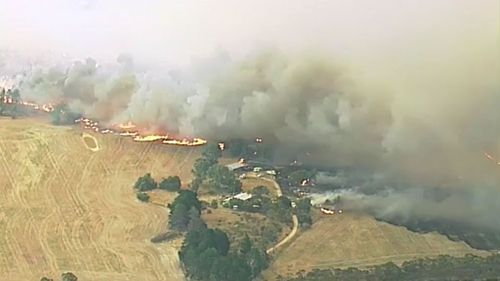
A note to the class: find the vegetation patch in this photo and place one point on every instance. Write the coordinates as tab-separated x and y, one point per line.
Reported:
166	236
469	267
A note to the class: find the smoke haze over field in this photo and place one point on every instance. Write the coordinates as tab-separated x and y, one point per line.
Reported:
407	92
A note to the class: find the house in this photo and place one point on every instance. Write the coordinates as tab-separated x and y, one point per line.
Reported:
235	166
243	196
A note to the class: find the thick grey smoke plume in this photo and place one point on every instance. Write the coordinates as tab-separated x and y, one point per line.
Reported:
406	97
315	108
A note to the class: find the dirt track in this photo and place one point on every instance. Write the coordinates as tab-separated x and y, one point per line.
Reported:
66	208
288	237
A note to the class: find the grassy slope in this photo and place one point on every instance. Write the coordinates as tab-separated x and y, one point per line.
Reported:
353	240
64	207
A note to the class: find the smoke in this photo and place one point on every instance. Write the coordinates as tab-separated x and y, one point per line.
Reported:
475	207
405	96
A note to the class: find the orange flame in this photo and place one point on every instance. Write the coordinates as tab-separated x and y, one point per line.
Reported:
44	107
129	129
222	145
150	138
186	142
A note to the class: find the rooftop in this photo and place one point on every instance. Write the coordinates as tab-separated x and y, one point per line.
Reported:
235	166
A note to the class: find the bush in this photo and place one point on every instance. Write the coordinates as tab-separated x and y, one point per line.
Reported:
145	183
260	191
68	276
171	184
214	204
142	196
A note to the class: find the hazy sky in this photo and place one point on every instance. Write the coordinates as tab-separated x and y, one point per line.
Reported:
175	31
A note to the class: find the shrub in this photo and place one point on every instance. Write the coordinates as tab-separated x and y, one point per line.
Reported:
171	183
143	196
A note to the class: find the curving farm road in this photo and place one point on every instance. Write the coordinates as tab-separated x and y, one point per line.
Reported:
295	220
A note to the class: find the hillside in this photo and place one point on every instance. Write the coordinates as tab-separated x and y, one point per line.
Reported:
64	207
349	240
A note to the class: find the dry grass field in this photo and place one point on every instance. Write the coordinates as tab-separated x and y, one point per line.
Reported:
64	207
238	224
354	240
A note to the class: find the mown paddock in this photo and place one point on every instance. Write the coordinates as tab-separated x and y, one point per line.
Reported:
350	240
64	207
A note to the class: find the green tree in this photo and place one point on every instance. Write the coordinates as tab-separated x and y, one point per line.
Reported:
179	217
211	152
16	99
142	196
284	202
245	245
188	198
46	279
68	276
230	268
195	221
295	178
223	180
2	101
172	183
185	206
257	260
201	167
145	183
303	211
204	263
221	241
260	191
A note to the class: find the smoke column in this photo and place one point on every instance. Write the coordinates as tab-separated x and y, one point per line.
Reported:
405	95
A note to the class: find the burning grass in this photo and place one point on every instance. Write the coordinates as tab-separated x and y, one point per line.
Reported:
139	134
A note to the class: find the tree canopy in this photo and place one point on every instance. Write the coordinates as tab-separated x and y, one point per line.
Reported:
211	152
145	183
185	208
201	167
172	183
62	115
295	178
303	211
206	255
221	179
68	276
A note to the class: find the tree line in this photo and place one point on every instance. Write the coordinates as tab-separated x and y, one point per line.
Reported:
218	178
148	183
11	108
469	267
